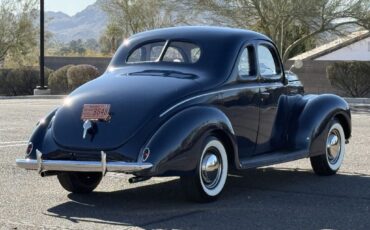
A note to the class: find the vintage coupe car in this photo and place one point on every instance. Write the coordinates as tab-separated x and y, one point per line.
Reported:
194	102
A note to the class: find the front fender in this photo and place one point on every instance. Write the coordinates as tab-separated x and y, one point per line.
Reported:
175	148
316	112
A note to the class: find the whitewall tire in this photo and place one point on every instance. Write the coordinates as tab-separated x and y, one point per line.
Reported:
209	179
333	152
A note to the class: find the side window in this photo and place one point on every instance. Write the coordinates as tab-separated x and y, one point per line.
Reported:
266	62
246	64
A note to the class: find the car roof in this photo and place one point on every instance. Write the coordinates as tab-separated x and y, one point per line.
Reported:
220	47
198	33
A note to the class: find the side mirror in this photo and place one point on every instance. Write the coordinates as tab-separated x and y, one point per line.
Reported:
298	64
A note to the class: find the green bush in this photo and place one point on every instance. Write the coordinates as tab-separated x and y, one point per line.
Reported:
15	82
80	74
352	78
58	82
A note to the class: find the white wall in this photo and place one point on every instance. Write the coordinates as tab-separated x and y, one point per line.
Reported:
358	51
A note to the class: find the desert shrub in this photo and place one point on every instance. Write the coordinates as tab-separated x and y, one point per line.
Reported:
21	81
58	82
352	78
80	74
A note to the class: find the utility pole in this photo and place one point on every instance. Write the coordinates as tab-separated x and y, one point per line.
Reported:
42	89
42	42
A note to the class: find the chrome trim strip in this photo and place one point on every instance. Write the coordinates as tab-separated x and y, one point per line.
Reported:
210	93
184	101
81	166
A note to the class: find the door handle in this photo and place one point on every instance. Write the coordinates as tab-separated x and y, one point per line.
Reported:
265	95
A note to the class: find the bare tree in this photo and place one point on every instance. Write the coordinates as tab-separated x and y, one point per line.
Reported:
18	34
278	19
133	16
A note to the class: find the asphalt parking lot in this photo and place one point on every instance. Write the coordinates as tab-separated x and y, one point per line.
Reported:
285	196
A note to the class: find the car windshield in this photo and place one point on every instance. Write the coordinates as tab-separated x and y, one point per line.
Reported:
175	51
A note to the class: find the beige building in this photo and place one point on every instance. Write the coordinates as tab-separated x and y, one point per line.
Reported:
354	47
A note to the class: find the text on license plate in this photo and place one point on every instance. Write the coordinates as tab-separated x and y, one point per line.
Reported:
95	112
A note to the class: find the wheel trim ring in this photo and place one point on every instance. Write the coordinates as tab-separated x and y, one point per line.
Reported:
211	153
219	187
335	166
333	146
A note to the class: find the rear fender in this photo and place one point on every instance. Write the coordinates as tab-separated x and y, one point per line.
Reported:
176	147
37	137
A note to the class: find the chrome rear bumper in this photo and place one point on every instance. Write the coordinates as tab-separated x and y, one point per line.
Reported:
80	166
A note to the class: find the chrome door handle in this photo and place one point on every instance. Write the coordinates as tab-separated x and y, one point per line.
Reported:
265	94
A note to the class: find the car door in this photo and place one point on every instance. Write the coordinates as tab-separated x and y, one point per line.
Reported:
272	88
240	101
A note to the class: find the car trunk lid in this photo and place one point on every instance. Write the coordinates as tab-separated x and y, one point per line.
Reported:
132	100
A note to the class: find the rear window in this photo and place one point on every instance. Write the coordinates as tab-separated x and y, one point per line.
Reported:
175	51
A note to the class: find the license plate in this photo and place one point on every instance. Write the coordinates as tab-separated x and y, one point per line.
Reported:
95	112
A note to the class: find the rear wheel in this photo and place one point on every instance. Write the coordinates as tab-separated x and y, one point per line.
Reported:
79	182
334	149
209	178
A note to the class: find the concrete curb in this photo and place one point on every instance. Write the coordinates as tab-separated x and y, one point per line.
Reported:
359	106
363	101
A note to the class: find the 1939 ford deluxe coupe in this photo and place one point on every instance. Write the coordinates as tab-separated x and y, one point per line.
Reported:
194	102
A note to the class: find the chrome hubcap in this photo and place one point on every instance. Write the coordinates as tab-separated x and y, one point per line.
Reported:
211	168
333	146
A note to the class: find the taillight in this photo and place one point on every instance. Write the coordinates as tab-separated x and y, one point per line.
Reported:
146	154
29	148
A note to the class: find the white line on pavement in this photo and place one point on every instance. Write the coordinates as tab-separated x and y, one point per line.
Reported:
12	142
6	146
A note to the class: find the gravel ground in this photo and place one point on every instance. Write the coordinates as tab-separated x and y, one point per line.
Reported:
284	196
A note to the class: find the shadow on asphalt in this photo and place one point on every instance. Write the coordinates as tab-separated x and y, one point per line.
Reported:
275	198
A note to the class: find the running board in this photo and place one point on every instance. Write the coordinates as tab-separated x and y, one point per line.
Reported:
272	158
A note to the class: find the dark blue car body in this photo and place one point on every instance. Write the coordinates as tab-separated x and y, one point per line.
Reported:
160	110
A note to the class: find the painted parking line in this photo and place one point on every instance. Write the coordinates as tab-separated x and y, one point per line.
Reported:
15	145
12	142
8	144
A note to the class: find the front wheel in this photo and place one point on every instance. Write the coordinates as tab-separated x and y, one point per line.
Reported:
209	178
334	149
79	182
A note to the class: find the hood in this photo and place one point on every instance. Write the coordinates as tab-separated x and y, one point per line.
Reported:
133	100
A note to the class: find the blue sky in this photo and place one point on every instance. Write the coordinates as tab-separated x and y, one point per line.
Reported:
70	7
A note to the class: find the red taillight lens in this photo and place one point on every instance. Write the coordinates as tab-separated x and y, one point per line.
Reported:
146	154
29	148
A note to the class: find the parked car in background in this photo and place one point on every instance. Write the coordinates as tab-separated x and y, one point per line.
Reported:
194	102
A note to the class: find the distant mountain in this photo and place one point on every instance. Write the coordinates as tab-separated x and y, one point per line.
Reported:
89	23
